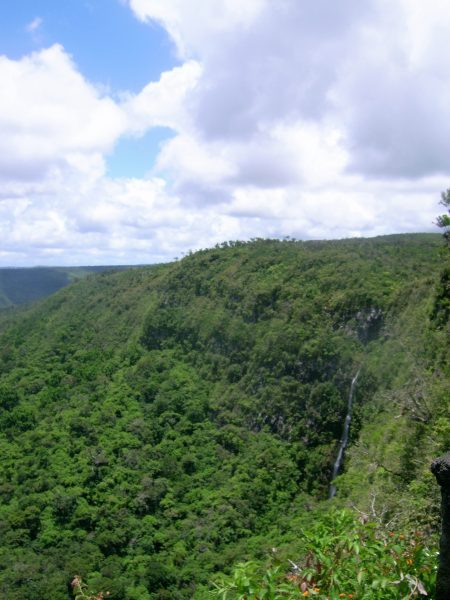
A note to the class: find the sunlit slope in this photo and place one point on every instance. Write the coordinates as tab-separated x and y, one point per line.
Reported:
156	423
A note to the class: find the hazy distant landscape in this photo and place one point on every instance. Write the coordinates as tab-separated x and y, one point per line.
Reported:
24	285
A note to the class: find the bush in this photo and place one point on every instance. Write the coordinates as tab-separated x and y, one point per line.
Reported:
342	557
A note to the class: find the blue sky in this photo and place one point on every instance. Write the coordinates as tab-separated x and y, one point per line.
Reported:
109	46
135	156
132	131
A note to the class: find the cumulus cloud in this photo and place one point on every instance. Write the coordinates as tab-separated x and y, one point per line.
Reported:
196	25
375	70
56	130
162	103
307	101
50	116
311	119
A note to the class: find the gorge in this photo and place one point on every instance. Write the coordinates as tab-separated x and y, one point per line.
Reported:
161	426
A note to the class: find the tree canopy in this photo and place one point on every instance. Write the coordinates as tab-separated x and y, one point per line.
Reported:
160	424
444	220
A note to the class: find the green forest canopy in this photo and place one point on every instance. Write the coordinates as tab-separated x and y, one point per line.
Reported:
160	424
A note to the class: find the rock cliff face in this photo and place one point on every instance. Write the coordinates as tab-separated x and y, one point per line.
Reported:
370	322
441	469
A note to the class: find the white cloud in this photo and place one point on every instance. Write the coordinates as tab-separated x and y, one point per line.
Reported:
52	118
311	119
377	72
196	24
50	115
34	25
317	100
394	95
161	103
55	131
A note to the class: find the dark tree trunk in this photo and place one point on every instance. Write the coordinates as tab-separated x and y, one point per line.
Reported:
441	470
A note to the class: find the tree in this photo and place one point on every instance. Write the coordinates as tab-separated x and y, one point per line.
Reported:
444	220
441	311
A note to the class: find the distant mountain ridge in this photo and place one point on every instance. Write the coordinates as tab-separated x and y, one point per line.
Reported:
21	285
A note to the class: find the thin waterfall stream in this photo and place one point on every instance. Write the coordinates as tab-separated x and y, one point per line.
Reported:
344	439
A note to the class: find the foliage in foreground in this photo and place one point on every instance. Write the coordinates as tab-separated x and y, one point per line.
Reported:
443	221
342	558
82	592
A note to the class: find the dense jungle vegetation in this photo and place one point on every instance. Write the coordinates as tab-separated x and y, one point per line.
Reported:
169	432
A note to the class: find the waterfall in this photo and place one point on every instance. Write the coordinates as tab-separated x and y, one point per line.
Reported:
344	439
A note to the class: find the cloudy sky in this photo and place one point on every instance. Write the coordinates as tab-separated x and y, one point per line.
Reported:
132	131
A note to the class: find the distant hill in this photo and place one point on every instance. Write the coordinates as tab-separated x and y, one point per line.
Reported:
24	285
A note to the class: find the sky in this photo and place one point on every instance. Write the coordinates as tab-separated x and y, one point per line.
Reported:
135	131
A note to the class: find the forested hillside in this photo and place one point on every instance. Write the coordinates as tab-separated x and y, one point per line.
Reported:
159	425
24	285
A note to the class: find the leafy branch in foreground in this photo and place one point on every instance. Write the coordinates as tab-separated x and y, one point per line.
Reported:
444	220
247	581
81	592
342	558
